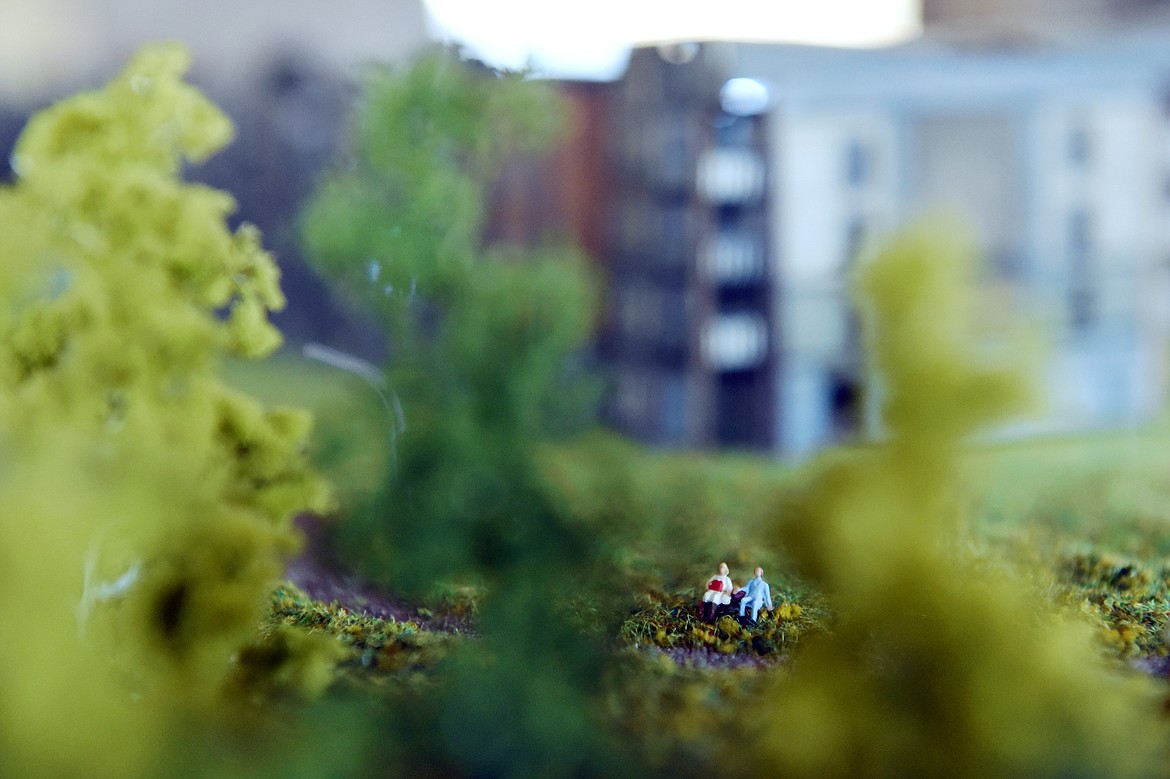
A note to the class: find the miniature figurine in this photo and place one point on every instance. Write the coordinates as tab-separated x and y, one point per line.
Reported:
718	594
756	593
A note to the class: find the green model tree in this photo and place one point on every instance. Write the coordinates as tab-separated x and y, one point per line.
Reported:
144	505
481	343
479	335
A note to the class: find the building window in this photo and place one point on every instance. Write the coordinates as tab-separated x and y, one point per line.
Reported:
653	404
858	164
632	403
632	219
733	258
735	341
1079	146
734	130
729	175
855	235
673	149
673	419
1082	292
674	236
652	315
672	322
636	311
844	403
1007	263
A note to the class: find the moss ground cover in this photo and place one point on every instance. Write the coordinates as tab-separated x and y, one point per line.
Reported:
1083	515
1086	515
1076	517
679	683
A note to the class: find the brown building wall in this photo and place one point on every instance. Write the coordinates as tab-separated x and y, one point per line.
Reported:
562	193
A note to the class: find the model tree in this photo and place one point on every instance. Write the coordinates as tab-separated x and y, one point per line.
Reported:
145	506
481	339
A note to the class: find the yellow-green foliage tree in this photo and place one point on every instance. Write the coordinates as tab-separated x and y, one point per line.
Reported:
144	505
936	666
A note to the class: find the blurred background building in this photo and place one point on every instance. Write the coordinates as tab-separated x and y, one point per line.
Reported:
690	300
50	45
1022	20
725	190
748	178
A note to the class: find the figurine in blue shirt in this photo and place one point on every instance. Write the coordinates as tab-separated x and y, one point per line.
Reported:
756	593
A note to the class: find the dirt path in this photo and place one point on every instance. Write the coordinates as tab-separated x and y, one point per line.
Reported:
322	578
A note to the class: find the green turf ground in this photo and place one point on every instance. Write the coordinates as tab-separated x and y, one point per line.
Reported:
1088	515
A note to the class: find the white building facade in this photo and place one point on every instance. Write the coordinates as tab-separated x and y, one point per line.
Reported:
1057	159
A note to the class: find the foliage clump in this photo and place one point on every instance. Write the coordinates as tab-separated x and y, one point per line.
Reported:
361	649
481	335
934	666
145	506
1127	599
482	345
